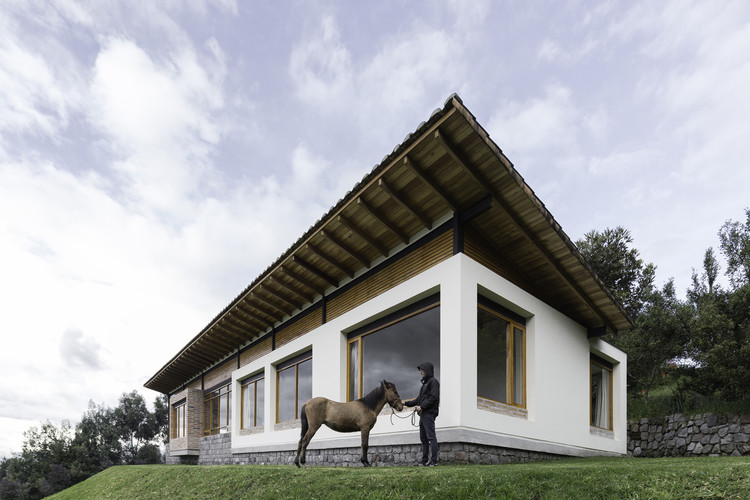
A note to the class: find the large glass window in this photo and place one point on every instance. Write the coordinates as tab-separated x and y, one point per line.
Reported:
501	353
179	425
293	386
217	414
252	402
601	395
391	349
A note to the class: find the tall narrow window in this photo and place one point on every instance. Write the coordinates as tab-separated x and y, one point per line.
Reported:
179	425
501	356
217	415
601	394
392	347
252	402
293	386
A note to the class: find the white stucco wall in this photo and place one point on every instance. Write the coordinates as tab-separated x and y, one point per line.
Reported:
557	371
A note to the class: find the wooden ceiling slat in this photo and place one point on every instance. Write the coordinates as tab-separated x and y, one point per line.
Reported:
283	298
431	183
220	347
272	305
214	341
460	160
313	270
235	317
260	319
362	235
344	248
382	219
302	280
330	261
235	333
201	358
306	298
401	201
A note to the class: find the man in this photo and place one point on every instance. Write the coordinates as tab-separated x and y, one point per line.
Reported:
427	404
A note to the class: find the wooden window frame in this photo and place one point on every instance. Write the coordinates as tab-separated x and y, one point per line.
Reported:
510	375
608	367
287	365
177	409
217	392
245	383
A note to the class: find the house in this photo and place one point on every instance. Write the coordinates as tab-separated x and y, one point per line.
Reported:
441	253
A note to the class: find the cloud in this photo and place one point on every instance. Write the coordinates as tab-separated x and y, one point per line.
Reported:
321	66
160	119
39	82
538	126
80	351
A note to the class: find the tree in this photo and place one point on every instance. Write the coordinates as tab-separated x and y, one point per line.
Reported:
658	339
161	417
97	442
54	458
735	245
720	341
137	425
619	266
40	469
661	320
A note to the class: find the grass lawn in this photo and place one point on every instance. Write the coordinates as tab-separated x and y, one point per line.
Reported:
725	477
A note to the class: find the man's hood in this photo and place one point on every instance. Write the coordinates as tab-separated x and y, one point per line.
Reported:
429	370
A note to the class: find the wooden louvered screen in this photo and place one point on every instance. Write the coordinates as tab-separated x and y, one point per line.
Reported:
220	373
260	349
309	322
396	273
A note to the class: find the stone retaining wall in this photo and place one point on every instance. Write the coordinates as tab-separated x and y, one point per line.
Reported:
217	450
699	435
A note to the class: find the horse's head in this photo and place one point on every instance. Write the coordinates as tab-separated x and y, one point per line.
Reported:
392	397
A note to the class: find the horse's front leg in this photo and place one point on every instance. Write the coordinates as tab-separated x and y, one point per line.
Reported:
365	440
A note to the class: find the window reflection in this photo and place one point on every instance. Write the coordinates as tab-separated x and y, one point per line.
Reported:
294	388
252	403
216	410
393	352
500	358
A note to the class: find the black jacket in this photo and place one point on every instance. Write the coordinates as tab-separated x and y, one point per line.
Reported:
429	393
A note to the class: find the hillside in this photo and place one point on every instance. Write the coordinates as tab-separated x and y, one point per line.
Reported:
573	478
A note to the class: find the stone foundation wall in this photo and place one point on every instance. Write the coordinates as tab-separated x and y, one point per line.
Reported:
699	435
217	450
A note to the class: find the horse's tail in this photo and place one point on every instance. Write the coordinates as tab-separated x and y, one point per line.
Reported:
303	417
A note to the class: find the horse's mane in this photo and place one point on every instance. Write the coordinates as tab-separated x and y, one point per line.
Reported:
372	399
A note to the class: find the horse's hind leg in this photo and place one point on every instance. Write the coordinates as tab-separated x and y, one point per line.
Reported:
302	446
308	431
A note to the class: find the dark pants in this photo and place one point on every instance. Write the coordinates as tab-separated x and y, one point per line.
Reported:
428	437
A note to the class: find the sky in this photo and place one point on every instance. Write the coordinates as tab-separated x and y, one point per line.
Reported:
156	157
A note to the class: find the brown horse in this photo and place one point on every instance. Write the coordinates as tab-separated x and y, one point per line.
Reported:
359	415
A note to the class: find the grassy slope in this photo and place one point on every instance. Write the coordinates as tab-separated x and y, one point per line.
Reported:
726	477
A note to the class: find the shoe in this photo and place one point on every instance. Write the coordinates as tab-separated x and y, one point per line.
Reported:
420	464
431	464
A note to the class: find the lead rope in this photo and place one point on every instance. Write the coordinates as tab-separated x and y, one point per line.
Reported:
413	417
